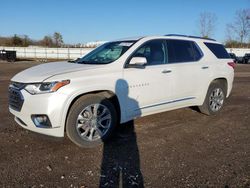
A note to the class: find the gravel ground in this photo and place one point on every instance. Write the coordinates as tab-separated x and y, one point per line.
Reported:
180	148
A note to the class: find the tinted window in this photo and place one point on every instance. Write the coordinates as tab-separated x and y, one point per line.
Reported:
218	50
182	51
106	53
196	52
153	51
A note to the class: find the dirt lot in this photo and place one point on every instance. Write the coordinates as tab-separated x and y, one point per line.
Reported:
181	148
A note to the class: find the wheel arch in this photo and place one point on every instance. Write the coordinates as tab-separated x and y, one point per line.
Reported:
223	81
204	106
107	93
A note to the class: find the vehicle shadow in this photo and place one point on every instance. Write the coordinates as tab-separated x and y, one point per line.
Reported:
195	108
121	161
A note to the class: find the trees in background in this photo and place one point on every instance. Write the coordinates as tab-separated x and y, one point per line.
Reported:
239	30
26	41
58	39
207	22
18	40
236	44
47	41
52	41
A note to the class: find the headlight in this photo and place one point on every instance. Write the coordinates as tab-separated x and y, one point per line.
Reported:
45	87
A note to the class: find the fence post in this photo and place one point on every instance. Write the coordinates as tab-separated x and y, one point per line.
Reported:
46	57
35	53
25	53
68	54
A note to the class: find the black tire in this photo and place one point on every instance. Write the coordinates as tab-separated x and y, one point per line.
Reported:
80	104
206	108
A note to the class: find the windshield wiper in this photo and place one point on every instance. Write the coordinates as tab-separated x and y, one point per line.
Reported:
91	62
78	61
84	62
74	61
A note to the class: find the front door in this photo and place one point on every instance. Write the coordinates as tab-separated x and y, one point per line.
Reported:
147	88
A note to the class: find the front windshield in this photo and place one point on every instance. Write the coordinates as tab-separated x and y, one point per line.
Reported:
106	53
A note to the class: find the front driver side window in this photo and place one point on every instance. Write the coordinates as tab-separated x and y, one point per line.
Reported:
153	51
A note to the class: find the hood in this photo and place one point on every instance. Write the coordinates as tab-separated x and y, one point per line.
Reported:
41	72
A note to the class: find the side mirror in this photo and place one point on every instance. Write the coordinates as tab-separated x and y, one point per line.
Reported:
137	62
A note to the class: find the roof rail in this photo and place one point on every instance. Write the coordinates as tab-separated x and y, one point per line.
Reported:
189	36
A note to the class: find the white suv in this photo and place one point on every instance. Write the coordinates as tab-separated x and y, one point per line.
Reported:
120	81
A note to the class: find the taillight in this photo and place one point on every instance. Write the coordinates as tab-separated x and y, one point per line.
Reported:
232	64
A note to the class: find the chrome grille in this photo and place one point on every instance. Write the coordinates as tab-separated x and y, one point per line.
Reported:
15	99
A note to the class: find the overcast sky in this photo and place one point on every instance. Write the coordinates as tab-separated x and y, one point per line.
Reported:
81	21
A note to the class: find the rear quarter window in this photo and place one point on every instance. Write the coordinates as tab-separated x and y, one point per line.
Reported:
218	50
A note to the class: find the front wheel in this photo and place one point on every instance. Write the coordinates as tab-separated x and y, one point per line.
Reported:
91	120
214	100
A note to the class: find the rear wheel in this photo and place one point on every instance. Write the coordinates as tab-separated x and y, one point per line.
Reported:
91	120
214	100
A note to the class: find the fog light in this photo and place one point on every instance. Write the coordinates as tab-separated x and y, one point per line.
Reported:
41	121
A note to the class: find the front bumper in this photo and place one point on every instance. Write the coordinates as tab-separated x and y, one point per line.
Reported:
50	104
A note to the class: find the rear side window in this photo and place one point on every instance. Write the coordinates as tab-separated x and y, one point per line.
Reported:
182	51
218	50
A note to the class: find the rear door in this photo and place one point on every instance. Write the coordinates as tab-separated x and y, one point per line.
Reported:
190	72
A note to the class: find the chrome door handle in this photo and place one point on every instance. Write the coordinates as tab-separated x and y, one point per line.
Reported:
166	71
205	67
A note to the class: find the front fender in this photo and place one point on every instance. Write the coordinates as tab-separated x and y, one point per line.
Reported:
88	90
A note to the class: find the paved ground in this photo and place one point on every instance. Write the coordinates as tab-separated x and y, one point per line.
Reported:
181	148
